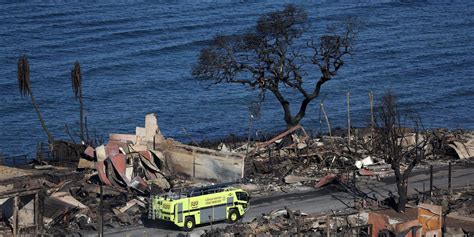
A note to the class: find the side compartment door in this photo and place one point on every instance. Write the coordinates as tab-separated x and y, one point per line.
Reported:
220	211
179	209
230	203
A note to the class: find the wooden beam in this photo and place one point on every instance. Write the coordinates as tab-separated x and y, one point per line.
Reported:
282	135
19	192
36	213
15	216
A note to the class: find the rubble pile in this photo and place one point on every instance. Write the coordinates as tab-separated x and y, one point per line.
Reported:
420	219
76	203
286	222
111	182
117	176
117	165
459	201
293	158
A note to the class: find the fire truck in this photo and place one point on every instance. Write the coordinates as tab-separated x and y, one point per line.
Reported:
188	208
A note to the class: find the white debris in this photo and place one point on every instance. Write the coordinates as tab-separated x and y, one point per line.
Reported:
364	162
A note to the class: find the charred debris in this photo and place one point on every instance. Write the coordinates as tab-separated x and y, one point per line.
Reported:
89	188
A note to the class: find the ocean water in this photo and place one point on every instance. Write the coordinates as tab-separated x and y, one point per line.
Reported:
137	56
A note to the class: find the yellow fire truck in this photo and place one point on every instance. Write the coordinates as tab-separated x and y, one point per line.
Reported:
195	206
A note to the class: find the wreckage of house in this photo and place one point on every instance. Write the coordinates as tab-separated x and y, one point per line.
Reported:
110	183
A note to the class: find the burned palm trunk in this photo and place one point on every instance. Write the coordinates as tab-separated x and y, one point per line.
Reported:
24	83
76	81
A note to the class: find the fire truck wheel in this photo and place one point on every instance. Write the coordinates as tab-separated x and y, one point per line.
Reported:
189	223
233	216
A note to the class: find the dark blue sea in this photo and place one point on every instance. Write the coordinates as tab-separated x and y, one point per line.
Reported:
137	56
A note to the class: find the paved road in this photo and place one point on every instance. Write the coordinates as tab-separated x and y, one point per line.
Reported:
317	200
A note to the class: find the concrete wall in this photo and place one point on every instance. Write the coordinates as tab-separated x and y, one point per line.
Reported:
204	164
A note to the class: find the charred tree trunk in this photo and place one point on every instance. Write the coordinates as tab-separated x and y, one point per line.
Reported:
40	117
293	122
76	81
402	188
23	75
290	120
401	182
395	145
81	117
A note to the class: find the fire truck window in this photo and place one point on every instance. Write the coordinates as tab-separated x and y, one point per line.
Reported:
242	196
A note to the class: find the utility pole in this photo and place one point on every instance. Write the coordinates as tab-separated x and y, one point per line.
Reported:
248	143
355	188
348	119
372	120
101	214
449	179
326	118
431	180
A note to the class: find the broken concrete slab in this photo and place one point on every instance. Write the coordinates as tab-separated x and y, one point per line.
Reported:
140	133
128	205
100	152
85	164
65	197
152	131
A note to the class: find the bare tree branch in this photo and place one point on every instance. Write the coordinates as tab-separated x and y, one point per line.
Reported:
395	143
265	57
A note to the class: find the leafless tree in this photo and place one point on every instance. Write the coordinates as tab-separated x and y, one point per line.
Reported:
270	57
24	83
402	142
